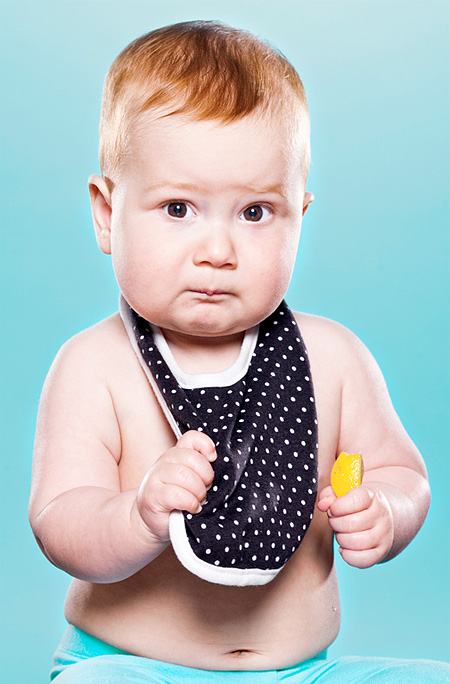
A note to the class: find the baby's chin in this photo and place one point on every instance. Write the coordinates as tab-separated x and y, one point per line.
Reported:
207	329
201	321
215	324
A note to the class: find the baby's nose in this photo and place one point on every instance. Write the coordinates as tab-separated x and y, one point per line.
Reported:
216	248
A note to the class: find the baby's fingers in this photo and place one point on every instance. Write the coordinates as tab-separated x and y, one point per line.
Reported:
325	499
173	497
354	522
366	548
361	559
356	500
182	464
198	441
186	476
358	541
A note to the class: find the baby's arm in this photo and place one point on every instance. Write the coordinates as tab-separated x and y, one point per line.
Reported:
377	520
82	520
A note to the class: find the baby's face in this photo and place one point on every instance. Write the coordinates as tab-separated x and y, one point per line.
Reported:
205	222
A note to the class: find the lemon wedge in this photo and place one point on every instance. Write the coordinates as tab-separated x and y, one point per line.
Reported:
347	473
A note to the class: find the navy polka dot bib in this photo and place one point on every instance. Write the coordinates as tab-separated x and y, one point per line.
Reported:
261	415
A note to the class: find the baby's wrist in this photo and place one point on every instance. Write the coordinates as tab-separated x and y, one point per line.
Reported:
150	539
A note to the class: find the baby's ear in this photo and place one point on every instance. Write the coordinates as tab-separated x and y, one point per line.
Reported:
307	199
101	211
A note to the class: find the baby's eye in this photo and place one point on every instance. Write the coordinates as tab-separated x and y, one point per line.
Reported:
255	213
178	209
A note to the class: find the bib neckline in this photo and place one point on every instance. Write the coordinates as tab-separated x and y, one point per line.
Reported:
228	376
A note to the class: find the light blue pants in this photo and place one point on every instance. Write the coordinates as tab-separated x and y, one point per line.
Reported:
82	659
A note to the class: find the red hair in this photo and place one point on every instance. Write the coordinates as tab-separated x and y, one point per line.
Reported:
204	69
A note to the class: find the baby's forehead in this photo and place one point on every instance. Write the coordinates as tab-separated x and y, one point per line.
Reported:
271	150
272	127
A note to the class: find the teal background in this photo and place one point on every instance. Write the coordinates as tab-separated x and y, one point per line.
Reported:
374	255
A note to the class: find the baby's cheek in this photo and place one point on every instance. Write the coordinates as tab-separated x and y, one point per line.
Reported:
282	267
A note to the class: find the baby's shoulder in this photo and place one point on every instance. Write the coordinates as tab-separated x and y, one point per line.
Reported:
94	350
325	335
332	346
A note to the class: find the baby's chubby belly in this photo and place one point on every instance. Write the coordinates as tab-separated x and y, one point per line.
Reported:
166	613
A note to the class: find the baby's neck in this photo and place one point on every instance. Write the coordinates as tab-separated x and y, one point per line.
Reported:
197	355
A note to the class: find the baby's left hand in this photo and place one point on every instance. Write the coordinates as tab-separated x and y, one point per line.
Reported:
362	522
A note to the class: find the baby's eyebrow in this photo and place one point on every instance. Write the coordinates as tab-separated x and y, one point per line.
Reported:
277	189
171	186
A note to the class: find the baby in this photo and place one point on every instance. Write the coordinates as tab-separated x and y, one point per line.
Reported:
184	446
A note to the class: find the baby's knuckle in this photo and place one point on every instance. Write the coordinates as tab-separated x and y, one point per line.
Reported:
362	497
183	474
179	499
169	456
192	459
186	436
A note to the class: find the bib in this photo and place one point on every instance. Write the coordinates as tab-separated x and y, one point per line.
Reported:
261	415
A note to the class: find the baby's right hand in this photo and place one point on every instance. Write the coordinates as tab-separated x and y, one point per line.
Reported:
177	481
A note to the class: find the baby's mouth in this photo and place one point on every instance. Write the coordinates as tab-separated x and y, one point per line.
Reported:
210	293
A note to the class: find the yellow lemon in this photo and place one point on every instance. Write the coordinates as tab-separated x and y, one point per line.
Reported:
347	473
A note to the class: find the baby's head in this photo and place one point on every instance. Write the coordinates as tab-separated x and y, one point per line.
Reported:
204	151
204	70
